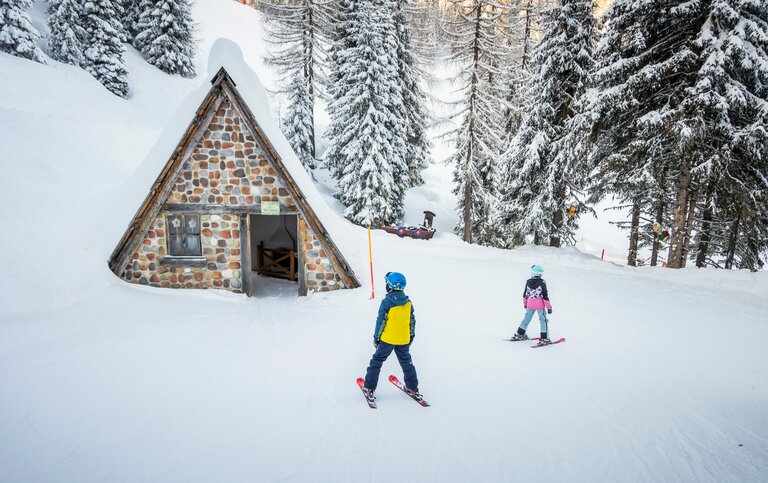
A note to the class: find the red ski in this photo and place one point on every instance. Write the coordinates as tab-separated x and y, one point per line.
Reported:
394	380
521	340
371	400
552	343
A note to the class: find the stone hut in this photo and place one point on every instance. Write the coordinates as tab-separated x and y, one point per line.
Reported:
225	209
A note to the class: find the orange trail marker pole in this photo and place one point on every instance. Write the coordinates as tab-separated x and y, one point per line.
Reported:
370	259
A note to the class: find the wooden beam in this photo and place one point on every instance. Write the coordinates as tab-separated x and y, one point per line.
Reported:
245	255
302	246
224	209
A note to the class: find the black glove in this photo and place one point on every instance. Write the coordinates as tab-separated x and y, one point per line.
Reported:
549	311
375	342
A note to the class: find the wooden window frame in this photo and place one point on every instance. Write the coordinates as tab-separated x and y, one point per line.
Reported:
176	259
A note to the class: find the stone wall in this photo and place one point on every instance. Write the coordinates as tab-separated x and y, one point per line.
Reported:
228	167
318	271
220	240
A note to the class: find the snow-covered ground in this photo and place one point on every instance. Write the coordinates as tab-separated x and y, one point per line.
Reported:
662	377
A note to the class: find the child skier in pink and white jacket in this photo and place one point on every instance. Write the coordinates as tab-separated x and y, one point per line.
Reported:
535	299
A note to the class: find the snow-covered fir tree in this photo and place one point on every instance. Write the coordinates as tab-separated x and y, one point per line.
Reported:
131	14
17	34
103	57
300	32
67	36
166	36
142	21
479	51
367	132
541	168
727	112
298	125
414	99
680	87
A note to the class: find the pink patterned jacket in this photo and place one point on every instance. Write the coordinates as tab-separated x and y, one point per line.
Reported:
535	295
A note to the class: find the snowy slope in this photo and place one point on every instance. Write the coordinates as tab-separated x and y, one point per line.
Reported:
662	377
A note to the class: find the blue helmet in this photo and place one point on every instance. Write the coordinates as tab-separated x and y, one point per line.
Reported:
394	281
537	271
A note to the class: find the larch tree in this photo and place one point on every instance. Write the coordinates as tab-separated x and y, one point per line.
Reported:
478	48
300	32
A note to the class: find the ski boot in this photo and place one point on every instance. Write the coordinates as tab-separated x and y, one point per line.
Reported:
414	393
517	337
369	395
544	341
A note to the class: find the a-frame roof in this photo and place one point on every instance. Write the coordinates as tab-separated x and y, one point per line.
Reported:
223	87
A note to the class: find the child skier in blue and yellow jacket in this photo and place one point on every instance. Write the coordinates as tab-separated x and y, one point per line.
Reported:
395	330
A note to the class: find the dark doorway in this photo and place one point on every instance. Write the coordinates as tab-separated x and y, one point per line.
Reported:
273	249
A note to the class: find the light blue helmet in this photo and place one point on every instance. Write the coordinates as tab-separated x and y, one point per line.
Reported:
394	281
537	271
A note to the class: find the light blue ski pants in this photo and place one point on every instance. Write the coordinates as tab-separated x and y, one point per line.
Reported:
529	315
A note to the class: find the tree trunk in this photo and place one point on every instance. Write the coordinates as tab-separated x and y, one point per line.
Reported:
692	198
730	253
674	260
706	227
558	218
633	235
526	35
659	220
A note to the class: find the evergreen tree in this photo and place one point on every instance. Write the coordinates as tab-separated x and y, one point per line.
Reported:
681	88
142	19
727	109
367	134
300	31
166	36
17	35
478	49
131	14
103	58
524	26
67	35
543	167
414	100
298	126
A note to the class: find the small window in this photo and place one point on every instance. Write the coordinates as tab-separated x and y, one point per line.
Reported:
184	236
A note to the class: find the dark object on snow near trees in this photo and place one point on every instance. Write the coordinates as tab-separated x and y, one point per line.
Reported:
425	231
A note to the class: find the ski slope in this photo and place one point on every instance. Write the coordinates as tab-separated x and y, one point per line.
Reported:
662	377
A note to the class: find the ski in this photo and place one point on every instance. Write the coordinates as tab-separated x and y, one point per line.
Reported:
394	380
371	401
552	343
521	340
